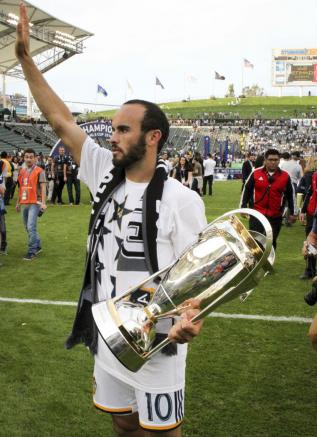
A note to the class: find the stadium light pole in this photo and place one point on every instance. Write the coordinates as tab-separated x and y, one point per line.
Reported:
29	110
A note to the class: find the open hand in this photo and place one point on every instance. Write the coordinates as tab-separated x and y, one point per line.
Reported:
22	45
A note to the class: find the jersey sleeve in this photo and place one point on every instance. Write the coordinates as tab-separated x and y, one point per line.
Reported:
95	162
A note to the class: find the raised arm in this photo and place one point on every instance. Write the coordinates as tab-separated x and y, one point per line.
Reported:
52	107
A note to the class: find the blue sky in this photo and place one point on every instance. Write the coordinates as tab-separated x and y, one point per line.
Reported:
173	39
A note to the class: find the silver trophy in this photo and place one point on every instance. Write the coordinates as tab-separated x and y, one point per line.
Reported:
227	261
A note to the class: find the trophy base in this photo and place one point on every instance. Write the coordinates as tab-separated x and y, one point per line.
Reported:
116	336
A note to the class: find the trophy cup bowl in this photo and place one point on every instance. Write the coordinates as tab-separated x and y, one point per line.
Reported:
225	262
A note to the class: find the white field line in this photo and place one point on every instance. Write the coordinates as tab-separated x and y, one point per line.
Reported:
38	301
292	319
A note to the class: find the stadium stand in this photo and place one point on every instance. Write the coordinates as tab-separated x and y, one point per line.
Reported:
242	135
16	137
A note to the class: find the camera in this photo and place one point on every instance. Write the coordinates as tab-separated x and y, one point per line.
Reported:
311	250
41	212
311	297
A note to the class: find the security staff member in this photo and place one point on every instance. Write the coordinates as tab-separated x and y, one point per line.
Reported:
265	190
71	169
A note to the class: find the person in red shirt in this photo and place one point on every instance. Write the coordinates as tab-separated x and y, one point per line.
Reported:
31	200
265	190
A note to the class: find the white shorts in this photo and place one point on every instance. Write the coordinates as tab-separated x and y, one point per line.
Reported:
157	411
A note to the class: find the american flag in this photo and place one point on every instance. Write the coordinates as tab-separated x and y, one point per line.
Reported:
248	64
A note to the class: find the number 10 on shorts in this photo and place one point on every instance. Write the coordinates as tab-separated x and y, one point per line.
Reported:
165	407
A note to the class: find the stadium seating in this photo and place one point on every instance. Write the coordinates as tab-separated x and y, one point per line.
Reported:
17	137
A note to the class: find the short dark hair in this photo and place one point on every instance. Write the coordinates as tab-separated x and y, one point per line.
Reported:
296	153
154	118
30	151
271	152
286	155
4	154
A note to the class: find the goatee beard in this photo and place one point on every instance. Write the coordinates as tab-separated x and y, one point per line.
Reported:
135	154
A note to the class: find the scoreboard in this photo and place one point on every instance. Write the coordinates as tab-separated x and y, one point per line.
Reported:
294	67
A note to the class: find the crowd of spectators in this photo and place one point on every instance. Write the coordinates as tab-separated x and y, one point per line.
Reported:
60	170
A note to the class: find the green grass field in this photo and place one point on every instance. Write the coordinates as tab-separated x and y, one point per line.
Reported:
244	377
268	107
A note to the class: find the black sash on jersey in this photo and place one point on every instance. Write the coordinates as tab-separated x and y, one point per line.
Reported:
84	329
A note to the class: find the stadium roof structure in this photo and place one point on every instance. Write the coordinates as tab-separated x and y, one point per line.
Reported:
52	41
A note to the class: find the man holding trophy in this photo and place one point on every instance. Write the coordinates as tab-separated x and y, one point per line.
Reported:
153	267
141	221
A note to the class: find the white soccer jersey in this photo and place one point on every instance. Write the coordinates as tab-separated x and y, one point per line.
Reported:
121	261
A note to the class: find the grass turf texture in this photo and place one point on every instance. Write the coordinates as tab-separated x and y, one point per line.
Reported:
268	107
244	378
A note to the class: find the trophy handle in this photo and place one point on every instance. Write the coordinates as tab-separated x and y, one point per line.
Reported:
267	228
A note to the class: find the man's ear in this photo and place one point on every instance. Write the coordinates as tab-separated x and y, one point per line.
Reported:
153	137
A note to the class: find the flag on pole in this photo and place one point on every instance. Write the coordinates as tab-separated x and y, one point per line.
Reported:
218	76
159	83
129	86
101	90
248	64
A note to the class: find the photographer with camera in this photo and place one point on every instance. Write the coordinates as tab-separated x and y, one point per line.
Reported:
31	200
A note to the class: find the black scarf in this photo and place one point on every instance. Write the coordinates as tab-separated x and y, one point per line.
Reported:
84	329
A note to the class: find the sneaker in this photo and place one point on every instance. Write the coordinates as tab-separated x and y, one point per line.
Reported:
3	250
29	256
306	275
38	250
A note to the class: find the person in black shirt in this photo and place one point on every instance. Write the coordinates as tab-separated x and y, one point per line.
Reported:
183	172
247	168
71	169
60	176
